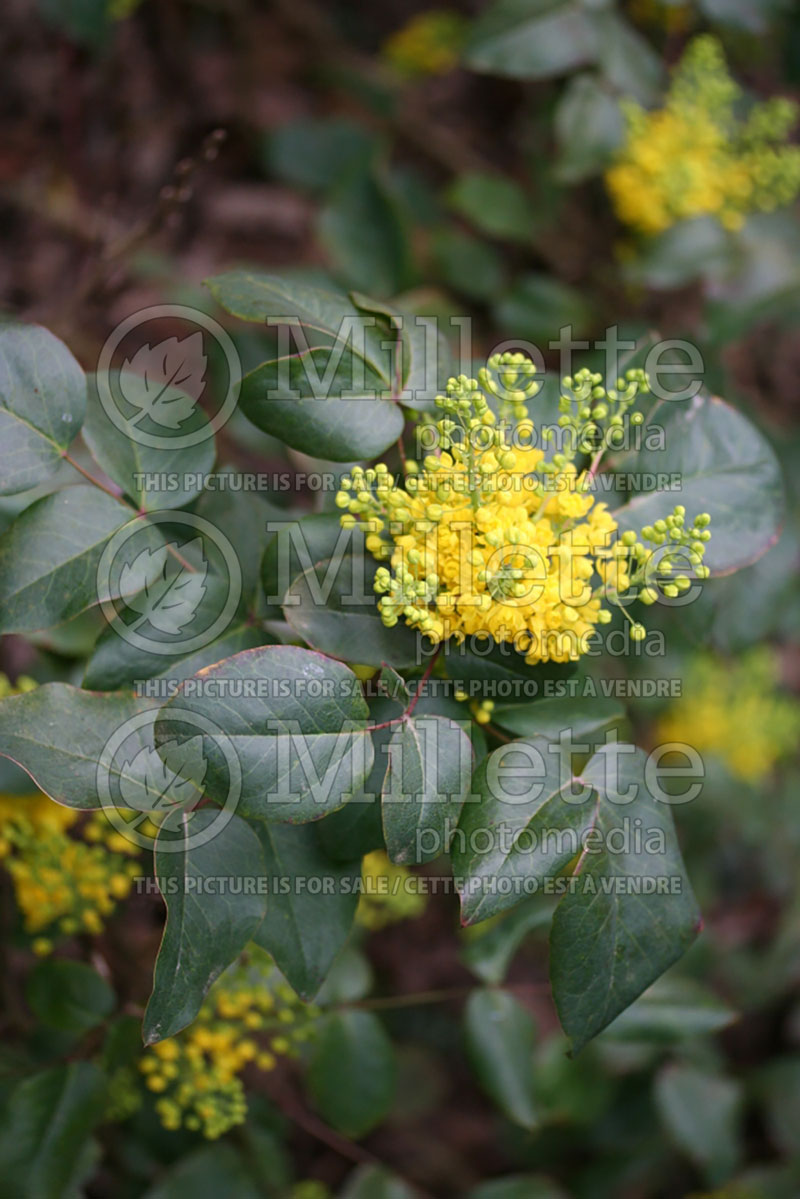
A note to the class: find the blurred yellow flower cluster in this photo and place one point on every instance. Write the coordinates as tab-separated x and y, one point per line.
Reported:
250	1016
488	539
735	712
390	893
428	44
63	883
695	156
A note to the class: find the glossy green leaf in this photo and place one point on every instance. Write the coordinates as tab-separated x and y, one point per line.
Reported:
42	405
673	1009
296	722
45	1126
69	996
50	554
627	60
500	1040
499	849
584	719
315	154
362	229
538	305
274	300
311	904
632	912
489	952
352	1072
467	264
324	402
727	468
492	203
208	925
426	782
532	39
701	1112
334	608
115	663
588	126
57	733
176	476
207	1173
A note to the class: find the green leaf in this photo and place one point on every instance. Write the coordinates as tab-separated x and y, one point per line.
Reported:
673	1009
627	59
373	1182
57	733
273	300
686	251
537	305
492	203
297	545
582	718
500	664
352	1072
296	721
363	232
467	264
489	953
426	782
701	1113
311	905
208	924
357	829
727	469
324	402
207	1173
49	558
42	404
520	790
315	154
500	1040
68	996
614	934
334	608
176	475
588	126
116	664
44	1129
754	16
532	39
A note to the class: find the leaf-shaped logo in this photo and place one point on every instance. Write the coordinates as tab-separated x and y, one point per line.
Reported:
166	380
172	589
170	778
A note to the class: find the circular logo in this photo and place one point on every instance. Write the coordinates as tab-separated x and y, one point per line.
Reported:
171	590
142	788
153	396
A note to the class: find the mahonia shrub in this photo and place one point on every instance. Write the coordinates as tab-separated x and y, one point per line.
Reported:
395	704
698	156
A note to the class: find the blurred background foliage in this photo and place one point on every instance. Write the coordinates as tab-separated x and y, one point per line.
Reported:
454	160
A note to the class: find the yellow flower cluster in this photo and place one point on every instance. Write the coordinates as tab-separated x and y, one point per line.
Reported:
388	895
62	883
735	712
428	44
250	1016
489	539
695	157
